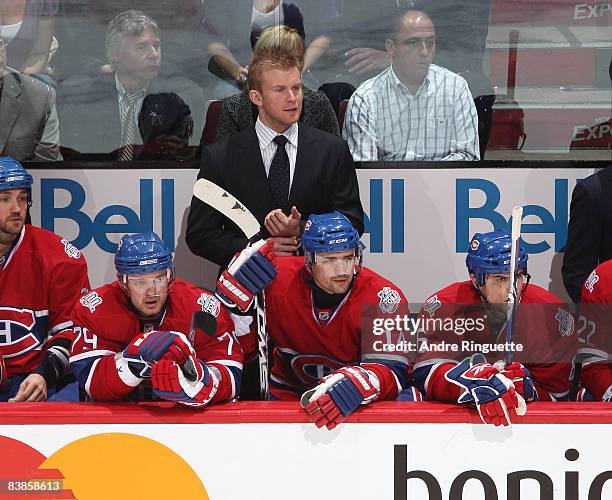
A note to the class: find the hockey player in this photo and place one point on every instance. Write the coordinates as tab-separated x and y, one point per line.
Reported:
542	327
41	276
595	341
314	317
132	337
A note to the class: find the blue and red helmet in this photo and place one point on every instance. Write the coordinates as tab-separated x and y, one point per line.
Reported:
327	233
489	253
142	253
14	176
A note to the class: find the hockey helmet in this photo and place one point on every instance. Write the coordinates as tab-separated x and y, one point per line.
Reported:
142	253
14	176
489	253
327	233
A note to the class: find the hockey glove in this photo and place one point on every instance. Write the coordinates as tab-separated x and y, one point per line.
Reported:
483	385
247	275
521	378
130	361
156	345
340	394
170	382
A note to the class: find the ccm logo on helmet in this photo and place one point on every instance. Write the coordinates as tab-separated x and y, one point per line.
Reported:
341	240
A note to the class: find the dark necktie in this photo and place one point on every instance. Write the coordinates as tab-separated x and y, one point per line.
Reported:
278	178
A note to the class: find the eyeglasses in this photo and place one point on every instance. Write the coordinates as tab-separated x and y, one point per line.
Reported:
146	283
3	43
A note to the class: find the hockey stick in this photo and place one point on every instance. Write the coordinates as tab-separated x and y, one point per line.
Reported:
228	205
517	216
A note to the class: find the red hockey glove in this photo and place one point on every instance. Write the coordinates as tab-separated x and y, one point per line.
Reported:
340	394
493	394
171	383
521	378
247	275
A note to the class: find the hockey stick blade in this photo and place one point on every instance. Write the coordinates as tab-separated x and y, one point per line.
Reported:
218	198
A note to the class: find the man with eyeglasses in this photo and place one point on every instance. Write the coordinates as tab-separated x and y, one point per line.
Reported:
465	355
29	128
413	110
133	338
318	311
41	277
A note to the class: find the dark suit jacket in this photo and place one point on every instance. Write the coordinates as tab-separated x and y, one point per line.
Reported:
589	234
324	181
89	111
28	122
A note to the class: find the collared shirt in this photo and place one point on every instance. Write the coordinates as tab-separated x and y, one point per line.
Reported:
386	121
123	102
266	136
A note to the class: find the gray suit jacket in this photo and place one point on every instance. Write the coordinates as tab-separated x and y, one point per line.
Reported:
29	128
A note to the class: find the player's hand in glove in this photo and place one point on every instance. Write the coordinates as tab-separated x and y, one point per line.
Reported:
340	394
493	394
171	382
155	345
247	275
521	378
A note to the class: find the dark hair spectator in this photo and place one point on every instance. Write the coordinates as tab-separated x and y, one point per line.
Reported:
165	126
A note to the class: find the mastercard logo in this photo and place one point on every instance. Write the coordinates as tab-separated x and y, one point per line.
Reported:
103	466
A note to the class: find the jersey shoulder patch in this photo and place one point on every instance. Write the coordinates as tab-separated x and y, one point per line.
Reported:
91	301
389	300
71	251
589	284
210	304
432	304
566	322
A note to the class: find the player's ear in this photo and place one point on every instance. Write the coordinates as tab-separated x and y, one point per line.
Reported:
473	280
255	97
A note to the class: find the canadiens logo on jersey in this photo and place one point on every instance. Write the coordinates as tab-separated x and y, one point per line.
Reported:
589	284
91	301
71	251
389	300
210	304
17	327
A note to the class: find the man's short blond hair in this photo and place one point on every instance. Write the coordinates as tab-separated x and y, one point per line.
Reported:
267	59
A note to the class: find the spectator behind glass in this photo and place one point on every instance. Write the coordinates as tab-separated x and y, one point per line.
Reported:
350	39
29	128
413	110
232	26
239	113
81	28
99	114
27	25
165	126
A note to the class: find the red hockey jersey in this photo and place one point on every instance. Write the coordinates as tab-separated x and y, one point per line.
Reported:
543	331
104	325
595	331
40	279
309	344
